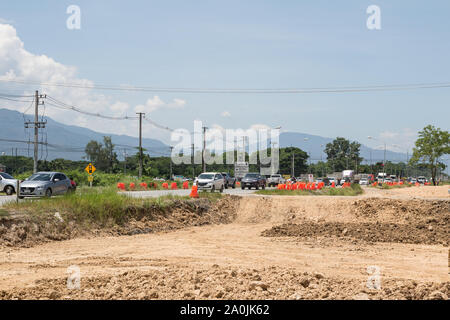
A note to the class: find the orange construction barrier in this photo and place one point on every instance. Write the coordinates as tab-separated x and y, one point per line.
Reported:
186	185
333	184
194	193
143	185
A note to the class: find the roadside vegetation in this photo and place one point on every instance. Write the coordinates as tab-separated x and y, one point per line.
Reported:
100	205
353	190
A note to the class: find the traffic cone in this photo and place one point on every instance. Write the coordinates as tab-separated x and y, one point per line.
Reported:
143	185
186	185
194	193
174	186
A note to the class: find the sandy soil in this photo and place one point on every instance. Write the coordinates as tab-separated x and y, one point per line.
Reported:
235	261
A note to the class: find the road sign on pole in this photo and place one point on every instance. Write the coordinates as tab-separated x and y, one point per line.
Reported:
90	168
240	169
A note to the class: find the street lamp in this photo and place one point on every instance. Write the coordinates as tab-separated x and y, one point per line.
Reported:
309	153
384	159
407	155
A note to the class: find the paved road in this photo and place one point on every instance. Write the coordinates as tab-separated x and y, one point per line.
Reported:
181	192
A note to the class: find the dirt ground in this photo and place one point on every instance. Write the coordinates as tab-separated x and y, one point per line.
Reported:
275	247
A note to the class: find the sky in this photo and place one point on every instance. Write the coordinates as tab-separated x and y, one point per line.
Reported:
235	44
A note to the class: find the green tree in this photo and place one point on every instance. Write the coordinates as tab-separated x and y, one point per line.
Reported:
343	154
300	158
432	144
102	155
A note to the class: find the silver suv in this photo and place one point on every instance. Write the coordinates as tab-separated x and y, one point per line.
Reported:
7	183
210	181
45	184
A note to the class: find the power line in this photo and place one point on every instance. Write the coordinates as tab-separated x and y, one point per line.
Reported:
62	105
345	89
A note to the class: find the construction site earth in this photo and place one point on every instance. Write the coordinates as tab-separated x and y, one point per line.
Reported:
383	244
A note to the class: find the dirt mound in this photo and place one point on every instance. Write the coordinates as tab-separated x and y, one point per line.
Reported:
215	282
29	230
400	210
434	232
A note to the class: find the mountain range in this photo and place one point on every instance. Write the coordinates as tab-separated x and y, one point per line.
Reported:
67	141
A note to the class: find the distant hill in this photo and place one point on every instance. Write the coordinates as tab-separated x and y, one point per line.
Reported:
67	141
313	145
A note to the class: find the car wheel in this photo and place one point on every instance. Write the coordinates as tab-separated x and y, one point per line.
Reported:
264	187
48	193
234	185
243	188
257	188
226	186
9	190
20	197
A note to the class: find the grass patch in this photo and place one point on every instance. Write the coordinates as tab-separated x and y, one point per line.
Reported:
4	213
354	190
99	205
398	186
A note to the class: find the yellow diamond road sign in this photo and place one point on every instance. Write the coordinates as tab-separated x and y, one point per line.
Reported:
90	168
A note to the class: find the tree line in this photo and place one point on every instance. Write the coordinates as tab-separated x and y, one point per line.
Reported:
432	144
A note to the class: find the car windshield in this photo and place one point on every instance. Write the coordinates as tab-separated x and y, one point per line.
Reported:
206	176
251	175
40	177
5	175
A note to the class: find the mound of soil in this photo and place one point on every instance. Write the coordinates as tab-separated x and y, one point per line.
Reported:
400	210
434	232
215	282
27	231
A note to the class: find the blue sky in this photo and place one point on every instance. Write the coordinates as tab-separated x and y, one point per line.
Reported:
251	44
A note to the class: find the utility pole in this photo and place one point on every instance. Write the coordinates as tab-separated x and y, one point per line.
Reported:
170	159
124	161
384	161
36	125
203	151
292	165
192	161
140	143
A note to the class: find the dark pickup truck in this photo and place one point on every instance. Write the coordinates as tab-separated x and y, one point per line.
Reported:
253	180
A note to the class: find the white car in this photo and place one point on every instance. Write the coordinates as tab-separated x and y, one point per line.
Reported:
210	181
331	180
364	182
7	183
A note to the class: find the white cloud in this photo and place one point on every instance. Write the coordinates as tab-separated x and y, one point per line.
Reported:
155	103
399	141
16	63
259	126
225	114
178	103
